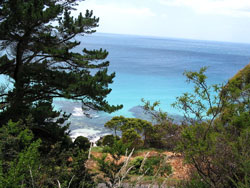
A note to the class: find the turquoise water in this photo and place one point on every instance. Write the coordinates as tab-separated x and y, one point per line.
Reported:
152	68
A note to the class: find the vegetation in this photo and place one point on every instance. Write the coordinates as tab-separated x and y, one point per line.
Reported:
215	142
107	140
213	137
82	143
37	42
135	132
113	168
164	133
152	165
23	164
117	166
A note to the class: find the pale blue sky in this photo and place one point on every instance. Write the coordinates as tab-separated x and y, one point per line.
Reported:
219	20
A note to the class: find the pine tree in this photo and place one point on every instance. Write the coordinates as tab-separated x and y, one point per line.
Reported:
37	41
37	38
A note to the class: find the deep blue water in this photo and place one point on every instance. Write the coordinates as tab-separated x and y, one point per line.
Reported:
152	68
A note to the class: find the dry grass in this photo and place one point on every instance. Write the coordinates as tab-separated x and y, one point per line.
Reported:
181	171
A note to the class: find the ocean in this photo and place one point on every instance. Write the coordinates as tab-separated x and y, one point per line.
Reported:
152	68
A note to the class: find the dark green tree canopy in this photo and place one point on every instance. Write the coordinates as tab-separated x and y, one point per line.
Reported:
37	38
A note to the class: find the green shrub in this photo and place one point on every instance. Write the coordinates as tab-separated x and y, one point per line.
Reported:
216	139
195	183
152	166
114	169
109	140
82	143
117	149
136	163
132	138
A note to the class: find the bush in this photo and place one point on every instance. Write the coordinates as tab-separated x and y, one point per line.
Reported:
132	138
216	140
117	149
165	135
136	163
112	164
23	164
99	141
195	183
152	166
82	143
109	140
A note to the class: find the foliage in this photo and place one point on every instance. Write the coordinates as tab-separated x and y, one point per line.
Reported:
110	169
136	163
241	148
14	137
99	142
82	143
78	175
164	133
109	140
19	156
66	166
135	132
114	164
195	182
132	138
24	170
157	116
23	165
218	125
115	123
141	133
152	165
37	41
117	149
204	103
237	99
98	149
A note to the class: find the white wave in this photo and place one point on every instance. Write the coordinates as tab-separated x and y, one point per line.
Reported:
95	116
92	134
78	112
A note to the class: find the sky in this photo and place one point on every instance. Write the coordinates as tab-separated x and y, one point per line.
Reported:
217	20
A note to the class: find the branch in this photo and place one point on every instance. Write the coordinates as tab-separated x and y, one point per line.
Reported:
32	180
204	86
59	184
71	180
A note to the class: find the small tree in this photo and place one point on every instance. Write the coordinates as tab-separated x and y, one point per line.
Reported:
217	126
132	138
115	123
19	156
164	132
137	127
82	143
115	164
109	140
